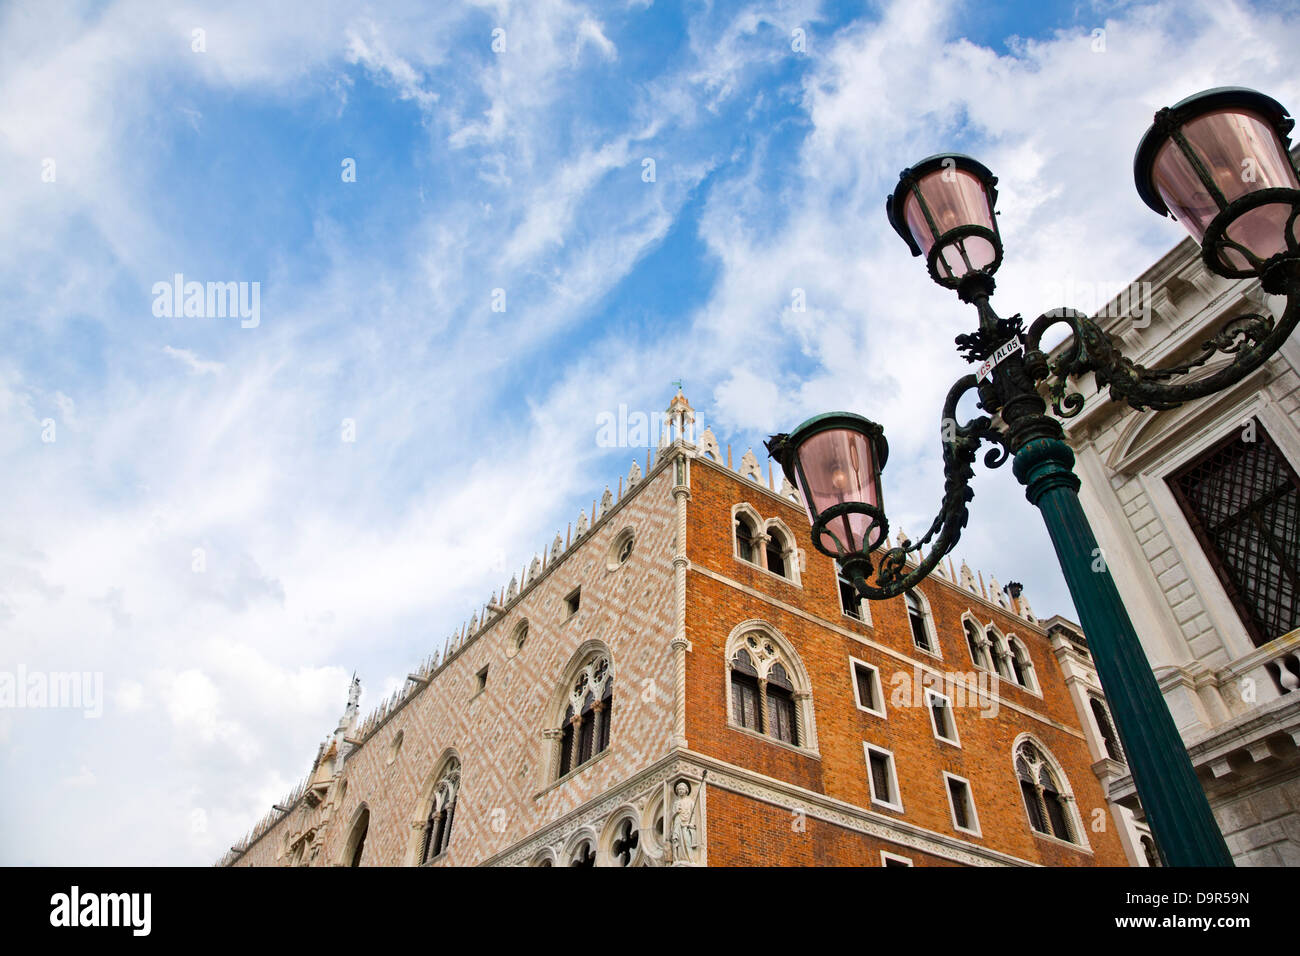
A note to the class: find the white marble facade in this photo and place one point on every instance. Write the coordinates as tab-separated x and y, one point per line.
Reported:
1235	701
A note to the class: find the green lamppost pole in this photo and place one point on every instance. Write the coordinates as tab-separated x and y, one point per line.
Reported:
1220	163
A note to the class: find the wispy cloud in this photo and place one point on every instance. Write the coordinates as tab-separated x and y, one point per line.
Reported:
227	521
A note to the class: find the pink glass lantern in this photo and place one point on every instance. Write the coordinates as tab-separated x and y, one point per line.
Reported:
1219	163
943	208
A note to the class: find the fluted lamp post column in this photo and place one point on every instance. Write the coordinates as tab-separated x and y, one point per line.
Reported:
1220	163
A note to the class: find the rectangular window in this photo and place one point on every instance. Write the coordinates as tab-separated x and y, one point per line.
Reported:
480	680
866	687
850	604
1242	499
941	719
572	602
962	804
893	859
884	781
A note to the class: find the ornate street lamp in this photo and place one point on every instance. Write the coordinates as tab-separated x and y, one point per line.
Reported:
1219	162
836	466
943	209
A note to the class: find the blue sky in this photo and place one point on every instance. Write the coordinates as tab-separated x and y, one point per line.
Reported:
519	169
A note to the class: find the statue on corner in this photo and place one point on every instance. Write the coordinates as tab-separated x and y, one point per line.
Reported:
682	840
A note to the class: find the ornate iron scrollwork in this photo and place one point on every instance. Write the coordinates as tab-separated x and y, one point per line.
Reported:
1011	392
1251	338
961	443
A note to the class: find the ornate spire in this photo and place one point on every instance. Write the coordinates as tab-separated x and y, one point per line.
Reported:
350	711
679	419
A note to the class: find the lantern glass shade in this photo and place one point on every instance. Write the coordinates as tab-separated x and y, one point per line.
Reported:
1242	153
836	466
1219	162
953	197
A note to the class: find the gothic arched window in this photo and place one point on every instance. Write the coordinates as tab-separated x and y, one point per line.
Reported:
917	614
1106	729
1020	664
356	844
776	552
442	812
1047	801
745	539
768	690
973	643
998	654
780	704
850	602
744	692
584	730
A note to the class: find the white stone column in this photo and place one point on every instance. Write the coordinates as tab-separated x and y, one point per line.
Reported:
680	645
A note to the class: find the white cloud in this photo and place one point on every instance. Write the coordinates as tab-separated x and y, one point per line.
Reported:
195	364
84	777
318	556
129	696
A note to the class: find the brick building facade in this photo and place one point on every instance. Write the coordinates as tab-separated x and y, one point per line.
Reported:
683	680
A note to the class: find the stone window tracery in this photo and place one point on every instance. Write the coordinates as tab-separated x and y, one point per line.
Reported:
1046	794
442	813
584	730
766	695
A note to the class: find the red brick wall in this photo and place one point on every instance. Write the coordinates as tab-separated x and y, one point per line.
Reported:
714	608
748	832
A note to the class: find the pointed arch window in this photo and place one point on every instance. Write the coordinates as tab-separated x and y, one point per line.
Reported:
1017	671
356	844
585	729
973	643
744	692
997	653
916	618
1009	659
1046	798
1106	729
780	704
776	552
442	813
745	540
766	697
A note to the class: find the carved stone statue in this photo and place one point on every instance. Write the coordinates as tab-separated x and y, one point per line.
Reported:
682	826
